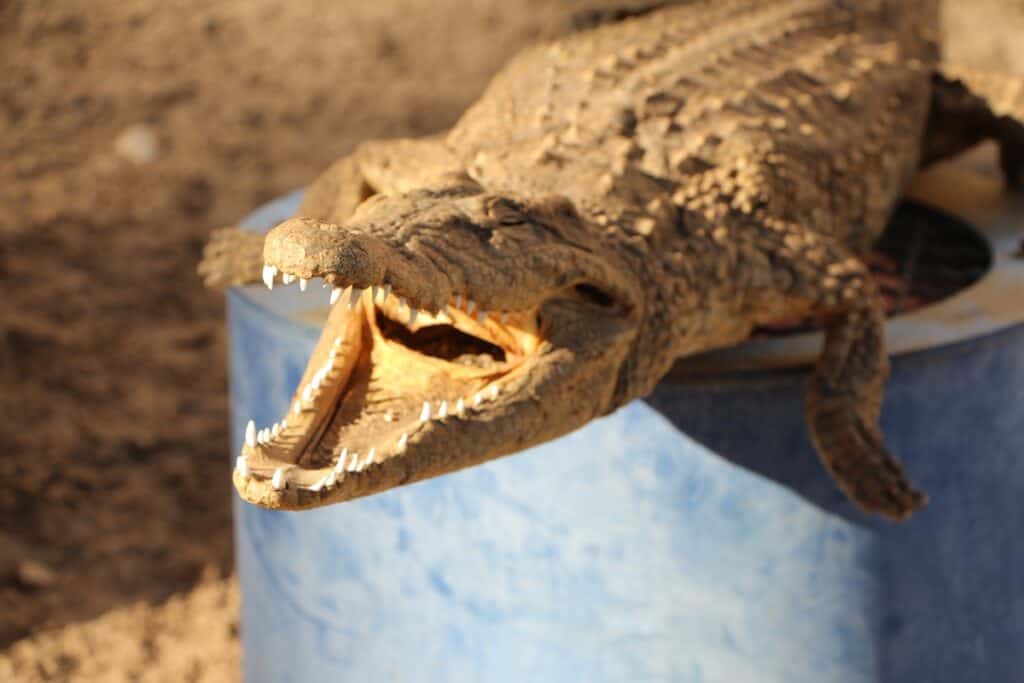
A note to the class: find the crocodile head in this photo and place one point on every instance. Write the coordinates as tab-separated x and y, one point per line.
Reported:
464	326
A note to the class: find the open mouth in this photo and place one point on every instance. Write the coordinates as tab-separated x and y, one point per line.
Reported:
382	375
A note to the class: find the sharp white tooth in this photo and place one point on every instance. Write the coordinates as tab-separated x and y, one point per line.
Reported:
268	276
470	306
242	465
504	317
366	462
495	390
353	462
331	480
446	312
284	423
250	434
460	407
276	430
318	485
481	317
458	301
336	294
307	393
296	408
478	399
402	440
387	290
278	481
425	413
260	437
370	455
374	292
353	298
340	465
287	278
412	316
337	342
303	283
442	411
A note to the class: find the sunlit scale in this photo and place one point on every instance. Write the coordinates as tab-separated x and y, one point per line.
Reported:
347	461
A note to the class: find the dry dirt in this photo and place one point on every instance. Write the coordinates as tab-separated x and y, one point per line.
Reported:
127	132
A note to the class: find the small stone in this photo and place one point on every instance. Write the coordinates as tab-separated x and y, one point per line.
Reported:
137	144
34	574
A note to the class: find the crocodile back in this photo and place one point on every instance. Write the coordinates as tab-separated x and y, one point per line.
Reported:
809	110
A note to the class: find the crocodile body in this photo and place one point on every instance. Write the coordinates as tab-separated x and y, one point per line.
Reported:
652	187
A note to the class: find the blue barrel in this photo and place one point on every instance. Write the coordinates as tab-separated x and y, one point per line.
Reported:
629	551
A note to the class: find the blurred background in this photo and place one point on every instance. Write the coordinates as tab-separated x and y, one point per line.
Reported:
128	130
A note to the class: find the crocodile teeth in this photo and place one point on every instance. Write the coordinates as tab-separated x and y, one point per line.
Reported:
353	462
495	390
458	301
470	306
242	465
442	411
303	283
481	317
370	455
331	480
478	399
460	407
318	485
287	278
412	316
278	481
425	413
269	272
387	289
353	298
374	292
340	465
250	434
336	294
402	440
276	429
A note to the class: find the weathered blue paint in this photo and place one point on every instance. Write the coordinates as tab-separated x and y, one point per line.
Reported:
953	576
624	551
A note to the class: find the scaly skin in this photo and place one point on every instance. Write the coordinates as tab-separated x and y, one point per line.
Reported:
652	187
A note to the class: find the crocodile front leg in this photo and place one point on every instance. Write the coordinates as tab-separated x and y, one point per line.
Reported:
844	402
819	277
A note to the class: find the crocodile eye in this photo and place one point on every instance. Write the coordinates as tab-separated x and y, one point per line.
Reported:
504	211
593	295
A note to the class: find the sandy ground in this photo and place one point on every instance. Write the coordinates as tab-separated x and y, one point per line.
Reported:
127	132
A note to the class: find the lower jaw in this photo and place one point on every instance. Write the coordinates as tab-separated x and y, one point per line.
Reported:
324	454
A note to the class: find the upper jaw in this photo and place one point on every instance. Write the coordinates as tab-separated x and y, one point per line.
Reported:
370	414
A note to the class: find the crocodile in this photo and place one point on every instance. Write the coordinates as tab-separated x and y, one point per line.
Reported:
656	183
